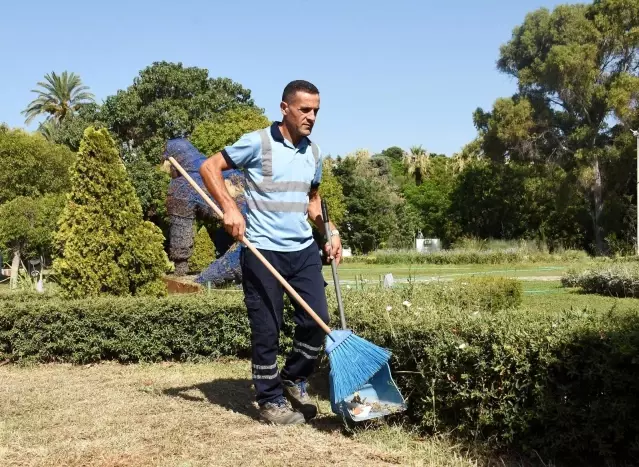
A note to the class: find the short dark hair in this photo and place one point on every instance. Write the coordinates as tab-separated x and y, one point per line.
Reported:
298	85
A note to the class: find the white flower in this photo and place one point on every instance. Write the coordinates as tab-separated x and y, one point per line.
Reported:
389	308
462	346
406	303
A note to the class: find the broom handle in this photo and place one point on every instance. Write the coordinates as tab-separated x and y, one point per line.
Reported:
254	250
329	238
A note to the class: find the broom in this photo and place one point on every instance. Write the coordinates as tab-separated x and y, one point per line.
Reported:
353	360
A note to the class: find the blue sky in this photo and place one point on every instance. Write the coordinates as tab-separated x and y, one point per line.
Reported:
400	73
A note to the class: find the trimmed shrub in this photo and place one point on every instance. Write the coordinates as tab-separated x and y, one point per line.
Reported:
106	245
561	383
616	280
203	251
124	329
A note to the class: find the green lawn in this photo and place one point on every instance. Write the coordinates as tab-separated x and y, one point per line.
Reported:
541	284
425	272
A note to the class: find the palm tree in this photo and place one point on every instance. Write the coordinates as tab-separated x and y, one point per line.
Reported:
417	163
62	95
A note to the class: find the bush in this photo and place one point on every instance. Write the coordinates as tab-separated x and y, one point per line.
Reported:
203	251
500	256
563	384
616	279
126	329
482	293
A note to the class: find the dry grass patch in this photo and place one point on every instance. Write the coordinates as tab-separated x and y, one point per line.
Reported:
178	415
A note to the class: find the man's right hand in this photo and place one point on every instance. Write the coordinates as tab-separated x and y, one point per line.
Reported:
234	223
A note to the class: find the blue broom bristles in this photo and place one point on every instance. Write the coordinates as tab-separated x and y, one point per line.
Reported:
353	362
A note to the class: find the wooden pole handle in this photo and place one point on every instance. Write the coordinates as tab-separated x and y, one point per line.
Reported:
254	250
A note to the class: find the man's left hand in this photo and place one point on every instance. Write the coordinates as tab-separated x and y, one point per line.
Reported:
335	250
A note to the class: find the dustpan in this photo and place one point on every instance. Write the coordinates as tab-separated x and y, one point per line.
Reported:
379	396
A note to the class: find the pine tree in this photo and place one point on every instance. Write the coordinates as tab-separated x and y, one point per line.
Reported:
105	245
203	251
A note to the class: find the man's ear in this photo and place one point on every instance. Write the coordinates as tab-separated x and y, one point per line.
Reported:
284	107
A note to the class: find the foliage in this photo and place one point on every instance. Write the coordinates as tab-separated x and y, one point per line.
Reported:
31	166
61	96
203	251
70	129
331	191
45	328
558	382
105	246
168	100
432	199
616	280
371	202
126	329
227	127
28	224
467	256
577	71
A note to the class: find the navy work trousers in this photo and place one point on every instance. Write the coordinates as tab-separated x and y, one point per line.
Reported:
264	299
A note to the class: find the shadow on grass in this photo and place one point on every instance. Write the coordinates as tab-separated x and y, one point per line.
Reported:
238	395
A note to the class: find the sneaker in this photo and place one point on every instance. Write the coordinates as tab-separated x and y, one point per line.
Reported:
280	412
297	395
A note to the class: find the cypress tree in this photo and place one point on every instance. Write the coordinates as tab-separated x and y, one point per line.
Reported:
105	245
203	251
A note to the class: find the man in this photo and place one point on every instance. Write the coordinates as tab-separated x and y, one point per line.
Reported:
283	170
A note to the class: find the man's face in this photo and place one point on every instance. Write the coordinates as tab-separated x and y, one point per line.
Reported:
300	113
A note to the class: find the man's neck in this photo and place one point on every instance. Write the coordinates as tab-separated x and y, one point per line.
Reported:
293	137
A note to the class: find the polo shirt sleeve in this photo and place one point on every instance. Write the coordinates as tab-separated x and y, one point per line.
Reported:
317	179
244	153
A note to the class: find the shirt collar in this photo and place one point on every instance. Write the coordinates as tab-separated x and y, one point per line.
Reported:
277	135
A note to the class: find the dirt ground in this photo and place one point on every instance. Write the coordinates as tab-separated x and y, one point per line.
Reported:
181	415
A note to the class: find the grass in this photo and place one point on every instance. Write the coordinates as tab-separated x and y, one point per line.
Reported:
180	415
348	272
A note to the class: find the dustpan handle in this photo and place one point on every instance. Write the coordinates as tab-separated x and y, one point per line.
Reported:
254	250
329	238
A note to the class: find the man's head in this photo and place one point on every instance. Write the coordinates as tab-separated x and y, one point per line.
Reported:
300	104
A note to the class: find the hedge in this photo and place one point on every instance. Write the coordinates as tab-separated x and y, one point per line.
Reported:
617	279
562	383
180	327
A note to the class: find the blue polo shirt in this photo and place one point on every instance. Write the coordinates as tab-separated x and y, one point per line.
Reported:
279	177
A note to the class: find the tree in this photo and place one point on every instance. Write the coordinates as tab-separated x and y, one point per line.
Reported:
203	251
31	166
105	246
227	127
61	96
27	226
331	191
577	70
417	163
168	100
371	201
70	129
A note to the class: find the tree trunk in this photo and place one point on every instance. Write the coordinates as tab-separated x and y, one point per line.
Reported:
15	267
598	208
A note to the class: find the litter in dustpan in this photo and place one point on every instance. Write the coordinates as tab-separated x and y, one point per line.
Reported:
379	397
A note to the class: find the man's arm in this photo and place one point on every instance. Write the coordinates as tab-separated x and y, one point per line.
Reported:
211	172
315	215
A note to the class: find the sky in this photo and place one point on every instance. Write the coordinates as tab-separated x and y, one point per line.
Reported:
399	73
